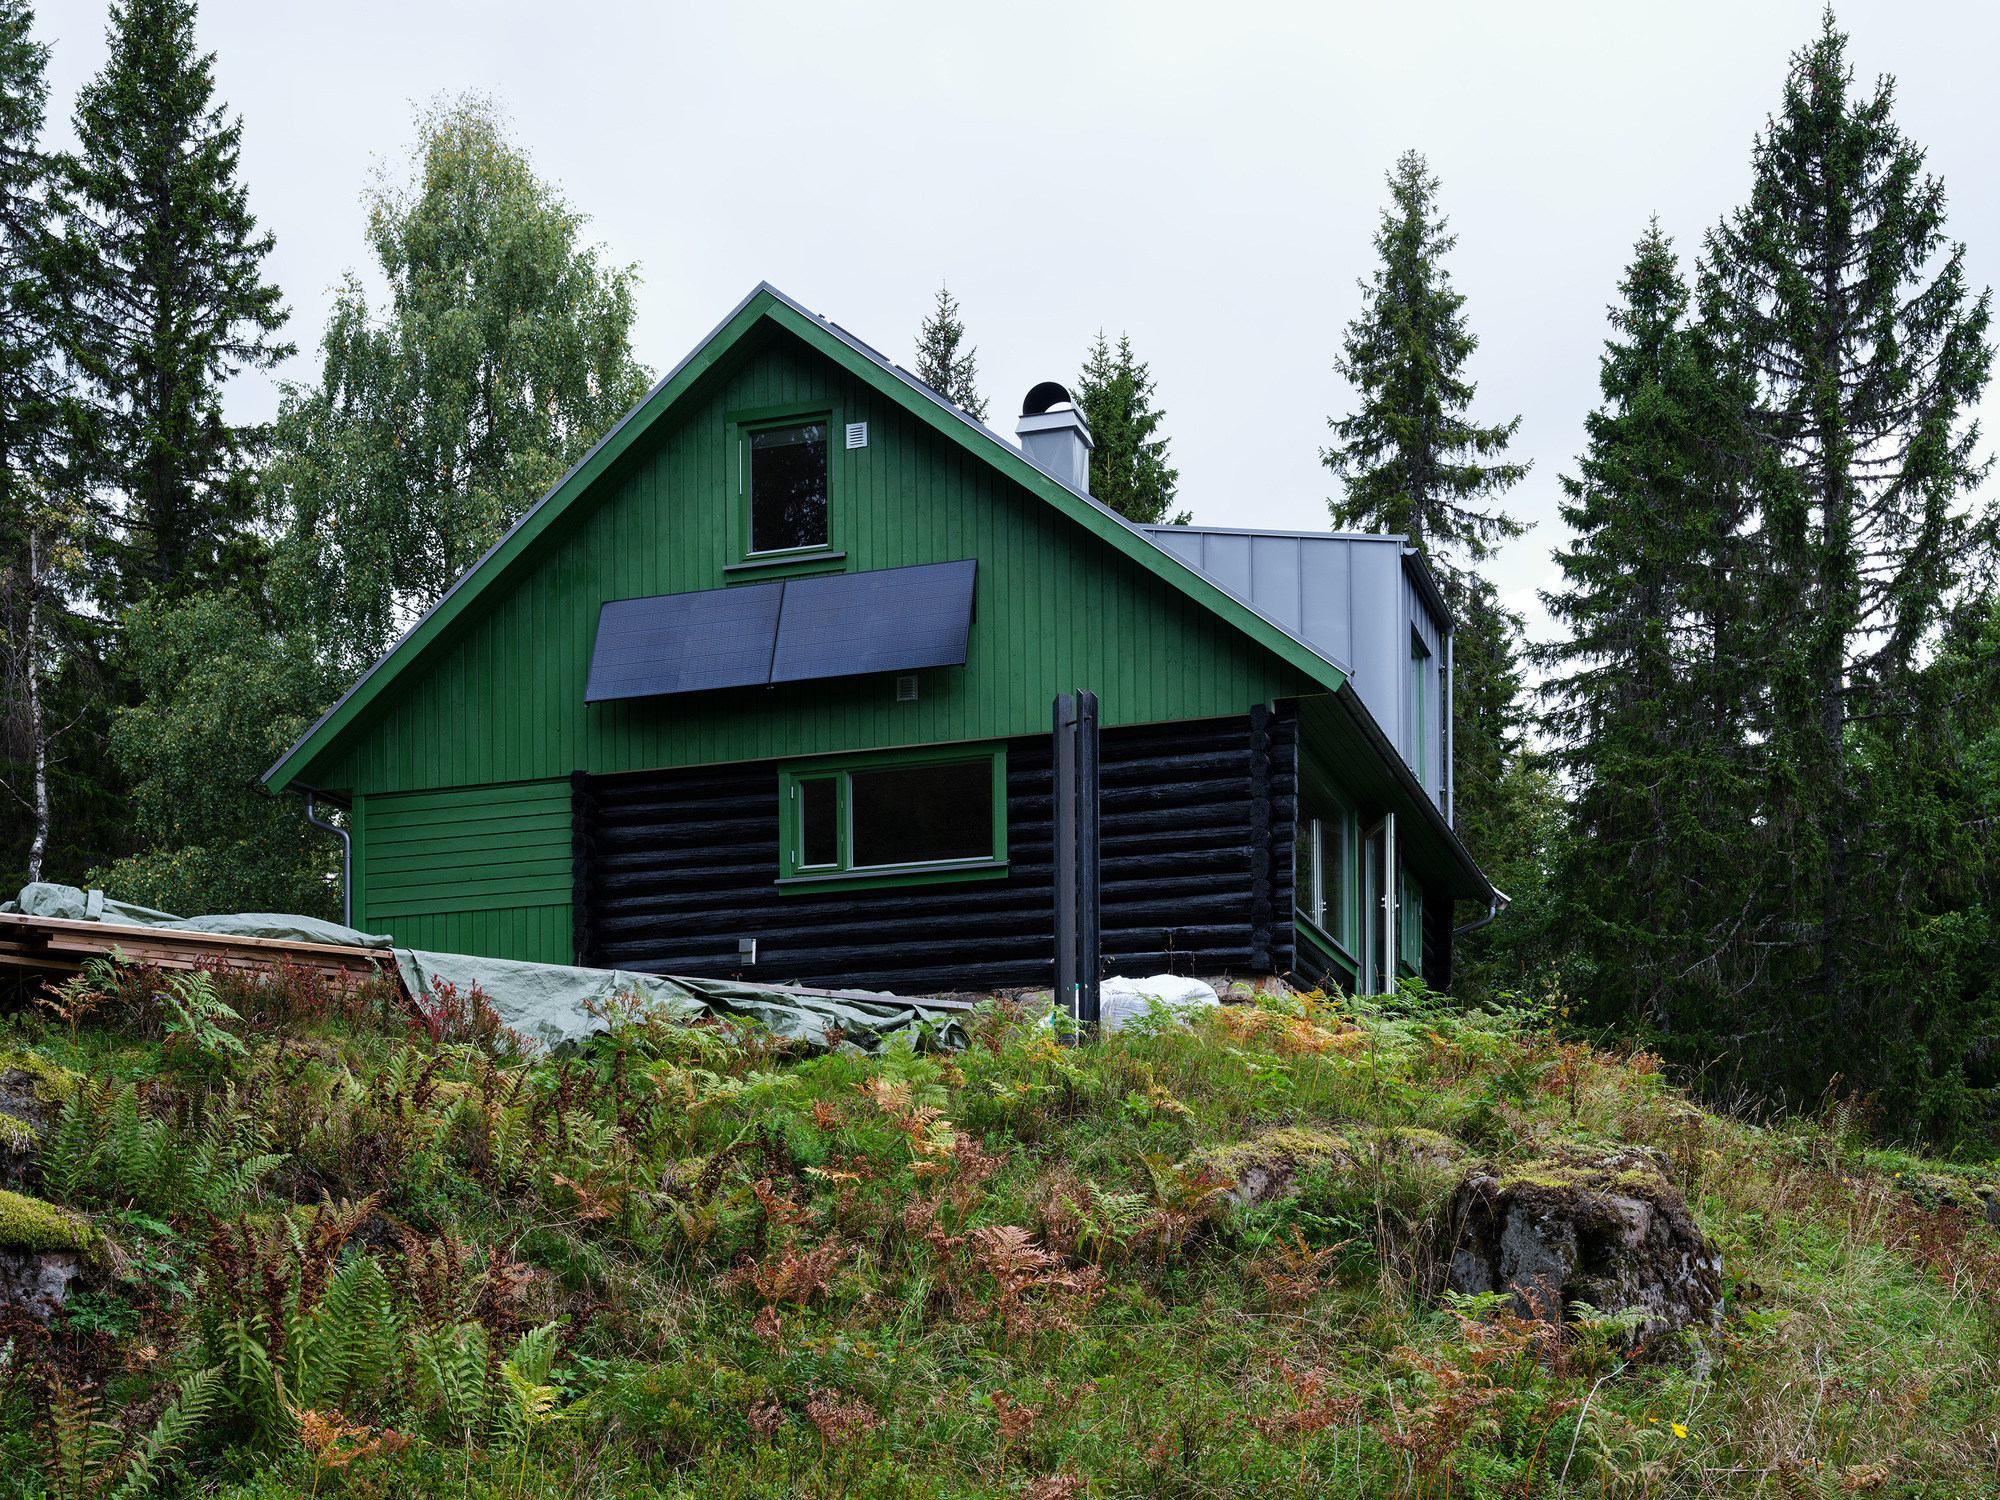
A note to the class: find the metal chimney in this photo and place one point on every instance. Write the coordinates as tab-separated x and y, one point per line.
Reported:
1054	435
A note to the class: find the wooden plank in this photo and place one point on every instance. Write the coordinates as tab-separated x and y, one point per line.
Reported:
27	928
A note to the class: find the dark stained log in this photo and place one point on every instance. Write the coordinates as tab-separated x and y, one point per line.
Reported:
681	863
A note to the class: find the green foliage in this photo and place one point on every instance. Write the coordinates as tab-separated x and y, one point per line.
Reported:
503	354
165	263
940	366
97	1460
1653	703
1778	659
197	1014
701	1263
223	697
1410	461
1128	467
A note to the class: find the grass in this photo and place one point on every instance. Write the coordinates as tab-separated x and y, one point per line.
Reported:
686	1261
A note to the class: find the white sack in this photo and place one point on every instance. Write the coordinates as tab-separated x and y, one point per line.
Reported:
1120	999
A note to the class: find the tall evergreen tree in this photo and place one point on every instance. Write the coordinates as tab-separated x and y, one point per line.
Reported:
1412	463
29	401
167	269
503	355
1652	704
1409	459
1850	309
1128	467
941	366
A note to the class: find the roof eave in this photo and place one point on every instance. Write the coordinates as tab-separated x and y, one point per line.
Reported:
1433	816
863	361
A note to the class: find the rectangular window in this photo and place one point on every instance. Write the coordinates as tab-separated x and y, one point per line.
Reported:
895	818
1321	859
786	479
819	826
909	815
1410	922
1420	661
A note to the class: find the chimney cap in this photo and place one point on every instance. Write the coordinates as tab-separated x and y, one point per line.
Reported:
1044	397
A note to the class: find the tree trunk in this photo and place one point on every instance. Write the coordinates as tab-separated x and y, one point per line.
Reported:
36	727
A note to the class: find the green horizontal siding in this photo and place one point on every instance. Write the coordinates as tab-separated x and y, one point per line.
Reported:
1055	609
538	934
464	869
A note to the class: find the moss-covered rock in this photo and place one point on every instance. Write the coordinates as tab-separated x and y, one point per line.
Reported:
30	1224
1604	1229
32	1089
1268	1167
43	1249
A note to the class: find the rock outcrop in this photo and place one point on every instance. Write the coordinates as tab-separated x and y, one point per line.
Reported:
1268	1167
32	1090
42	1250
1607	1230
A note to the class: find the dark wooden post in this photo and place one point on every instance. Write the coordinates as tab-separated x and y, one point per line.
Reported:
1063	809
1090	914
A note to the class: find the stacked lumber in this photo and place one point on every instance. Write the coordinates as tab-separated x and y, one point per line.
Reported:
56	945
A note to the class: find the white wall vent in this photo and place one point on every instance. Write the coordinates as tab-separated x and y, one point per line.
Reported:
906	689
857	434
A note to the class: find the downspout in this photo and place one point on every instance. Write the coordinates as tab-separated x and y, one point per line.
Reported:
1500	902
346	859
1450	774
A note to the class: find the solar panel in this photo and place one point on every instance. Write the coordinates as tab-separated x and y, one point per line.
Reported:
682	643
888	620
843	625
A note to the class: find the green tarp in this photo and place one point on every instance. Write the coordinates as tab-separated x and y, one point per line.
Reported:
548	1001
545	1002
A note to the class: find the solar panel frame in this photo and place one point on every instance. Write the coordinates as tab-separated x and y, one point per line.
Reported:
684	643
885	620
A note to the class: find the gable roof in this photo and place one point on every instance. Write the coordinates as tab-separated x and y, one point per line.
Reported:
538	530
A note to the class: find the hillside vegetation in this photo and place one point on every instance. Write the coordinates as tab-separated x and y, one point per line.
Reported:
343	1252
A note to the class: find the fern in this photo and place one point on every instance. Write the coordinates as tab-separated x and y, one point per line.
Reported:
182	1416
71	1151
91	1458
198	1014
451	1373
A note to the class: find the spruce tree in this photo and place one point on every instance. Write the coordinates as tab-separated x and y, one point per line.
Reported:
1412	463
36	529
1409	459
1850	309
940	366
29	390
1128	467
1651	707
166	268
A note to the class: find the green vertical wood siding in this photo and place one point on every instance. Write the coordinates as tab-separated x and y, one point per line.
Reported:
1056	609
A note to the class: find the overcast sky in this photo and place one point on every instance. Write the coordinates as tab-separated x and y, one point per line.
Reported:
1205	177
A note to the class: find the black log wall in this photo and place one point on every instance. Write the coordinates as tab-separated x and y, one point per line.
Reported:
673	867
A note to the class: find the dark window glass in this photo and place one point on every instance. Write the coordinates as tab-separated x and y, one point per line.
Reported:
914	814
788	488
819	823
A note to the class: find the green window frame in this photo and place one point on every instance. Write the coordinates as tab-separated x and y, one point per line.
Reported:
742	428
1409	920
816	811
1323	868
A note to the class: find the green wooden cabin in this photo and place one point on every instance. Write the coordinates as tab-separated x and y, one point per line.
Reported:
763	686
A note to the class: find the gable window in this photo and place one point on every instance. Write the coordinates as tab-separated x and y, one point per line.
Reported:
1420	661
787	484
895	818
1320	862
